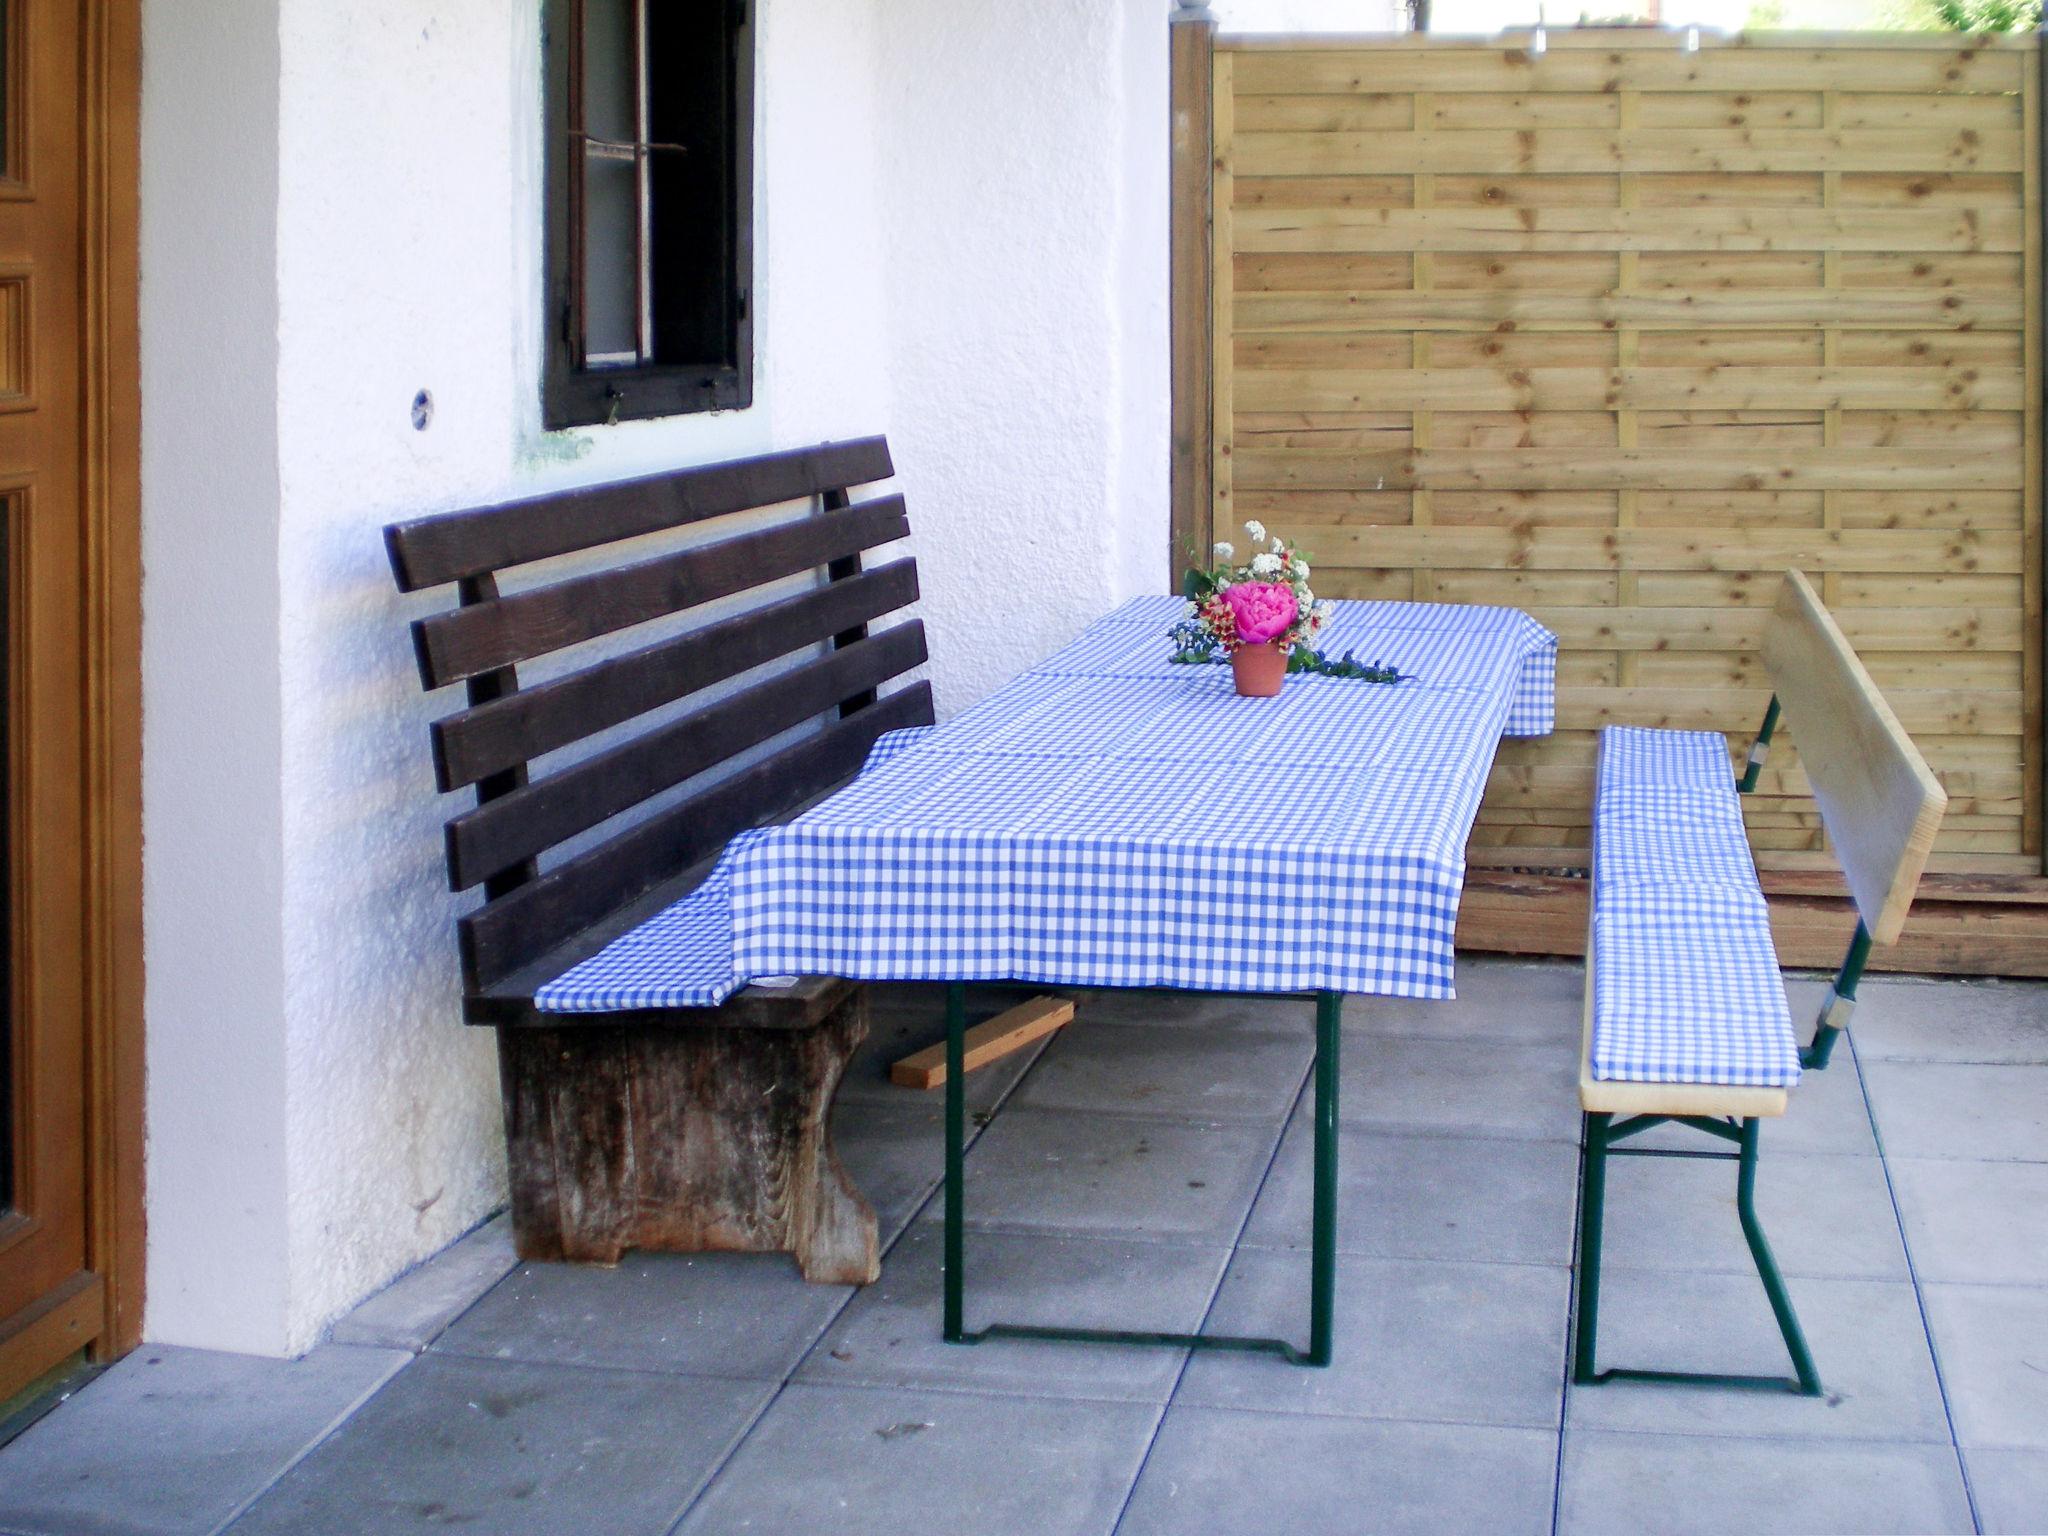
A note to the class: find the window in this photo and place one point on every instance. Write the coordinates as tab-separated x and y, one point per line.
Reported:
649	209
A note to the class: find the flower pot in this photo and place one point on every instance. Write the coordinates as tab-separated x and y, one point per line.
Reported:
1260	669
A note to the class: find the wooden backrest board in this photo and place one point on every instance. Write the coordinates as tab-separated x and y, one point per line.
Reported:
1880	801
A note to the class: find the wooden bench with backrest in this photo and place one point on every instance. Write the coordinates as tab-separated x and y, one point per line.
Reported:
1685	1017
718	673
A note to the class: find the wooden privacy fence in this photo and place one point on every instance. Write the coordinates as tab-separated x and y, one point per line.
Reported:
1615	331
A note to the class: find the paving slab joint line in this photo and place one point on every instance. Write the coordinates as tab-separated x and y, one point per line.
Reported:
1948	1412
978	1123
334	1427
1208	1311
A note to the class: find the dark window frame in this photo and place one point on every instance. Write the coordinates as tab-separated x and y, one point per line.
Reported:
575	396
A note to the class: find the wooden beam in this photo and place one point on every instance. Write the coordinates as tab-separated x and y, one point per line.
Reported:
1008	1031
1974	934
1191	69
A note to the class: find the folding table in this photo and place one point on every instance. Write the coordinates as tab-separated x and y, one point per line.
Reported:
1111	818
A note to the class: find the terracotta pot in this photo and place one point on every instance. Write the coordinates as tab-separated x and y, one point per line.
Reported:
1260	669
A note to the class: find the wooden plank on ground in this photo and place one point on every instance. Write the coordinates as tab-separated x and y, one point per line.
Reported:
1010	1030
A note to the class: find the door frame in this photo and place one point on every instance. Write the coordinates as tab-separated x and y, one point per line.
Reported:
106	1317
113	740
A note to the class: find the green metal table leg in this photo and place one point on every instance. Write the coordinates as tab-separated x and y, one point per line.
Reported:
1592	1210
1322	1301
956	1147
1323	1238
1767	1266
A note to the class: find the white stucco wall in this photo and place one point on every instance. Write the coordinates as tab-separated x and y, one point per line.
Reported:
961	238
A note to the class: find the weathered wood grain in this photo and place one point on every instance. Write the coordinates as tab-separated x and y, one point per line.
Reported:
1618	331
685	1140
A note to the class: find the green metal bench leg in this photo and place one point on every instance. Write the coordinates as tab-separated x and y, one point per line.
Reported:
1601	1134
1323	1238
1767	1266
1592	1212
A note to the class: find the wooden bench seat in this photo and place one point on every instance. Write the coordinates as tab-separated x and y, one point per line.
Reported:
1685	1015
711	670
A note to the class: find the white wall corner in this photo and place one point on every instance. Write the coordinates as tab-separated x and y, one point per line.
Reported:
213	870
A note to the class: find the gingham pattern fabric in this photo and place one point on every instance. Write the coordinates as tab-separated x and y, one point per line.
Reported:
1111	818
1686	986
679	958
682	956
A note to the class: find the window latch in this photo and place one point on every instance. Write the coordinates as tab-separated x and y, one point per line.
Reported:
616	397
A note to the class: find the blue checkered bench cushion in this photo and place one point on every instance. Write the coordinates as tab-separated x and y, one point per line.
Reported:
682	956
1686	986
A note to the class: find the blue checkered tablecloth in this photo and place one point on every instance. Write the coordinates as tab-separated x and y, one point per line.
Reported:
1112	819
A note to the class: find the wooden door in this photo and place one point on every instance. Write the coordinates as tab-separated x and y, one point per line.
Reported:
60	1115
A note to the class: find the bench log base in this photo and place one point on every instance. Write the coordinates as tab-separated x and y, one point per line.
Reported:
1602	1131
682	1139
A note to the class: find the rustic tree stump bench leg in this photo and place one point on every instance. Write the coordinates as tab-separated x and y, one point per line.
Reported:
683	1140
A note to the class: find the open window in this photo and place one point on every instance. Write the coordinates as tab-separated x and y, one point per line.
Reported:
650	124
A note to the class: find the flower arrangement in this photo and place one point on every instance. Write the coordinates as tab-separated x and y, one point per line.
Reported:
1265	601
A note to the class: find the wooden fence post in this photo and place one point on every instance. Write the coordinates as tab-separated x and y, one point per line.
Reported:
1193	33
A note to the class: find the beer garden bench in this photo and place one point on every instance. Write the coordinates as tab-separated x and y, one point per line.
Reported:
1685	1014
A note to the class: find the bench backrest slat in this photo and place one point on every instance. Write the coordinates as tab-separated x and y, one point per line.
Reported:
500	937
492	737
1881	803
786	670
430	551
485	636
515	827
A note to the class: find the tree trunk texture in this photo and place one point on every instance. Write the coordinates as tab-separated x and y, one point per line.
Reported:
685	1140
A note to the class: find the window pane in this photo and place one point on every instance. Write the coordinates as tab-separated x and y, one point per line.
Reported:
608	92
692	98
610	254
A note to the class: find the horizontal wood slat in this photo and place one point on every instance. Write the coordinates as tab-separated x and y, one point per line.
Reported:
1749	309
503	832
1537	229
547	911
476	639
1617	331
1940	69
427	552
490	738
1552	151
1630	389
1541	469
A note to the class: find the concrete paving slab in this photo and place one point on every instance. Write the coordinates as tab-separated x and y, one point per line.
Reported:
1866	1337
1681	1485
1213	1472
865	1462
173	1442
2011	1489
1426	1196
1941	1109
1193	1073
513	1449
1115	1176
1993	1345
1981	1223
707	1314
411	1312
890	1334
1456	1343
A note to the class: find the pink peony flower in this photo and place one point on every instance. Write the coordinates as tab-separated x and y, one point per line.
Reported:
1264	610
